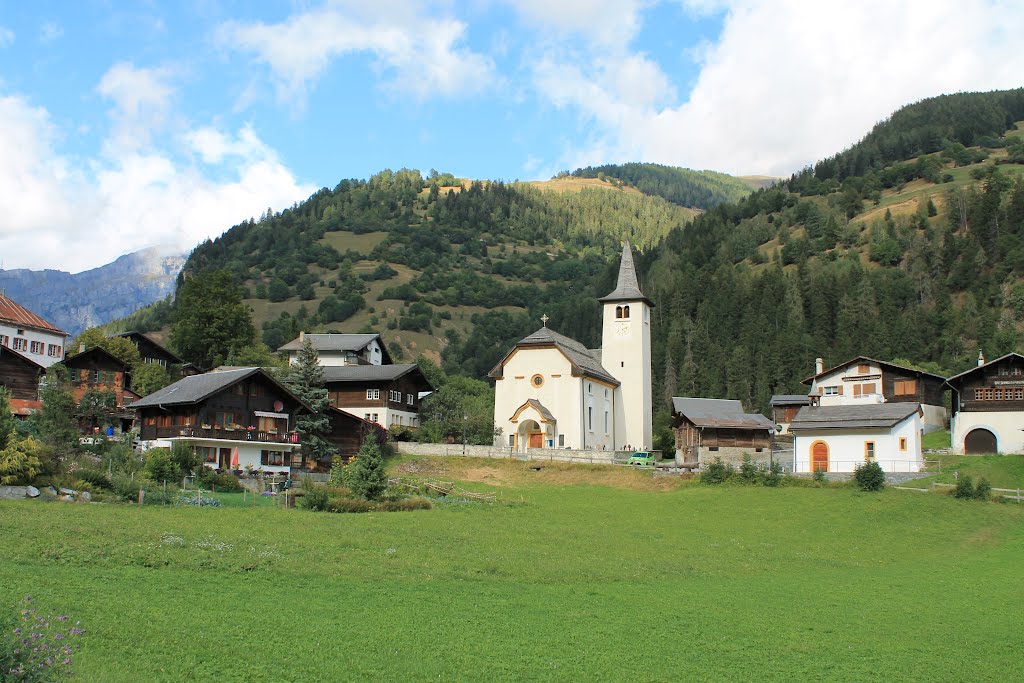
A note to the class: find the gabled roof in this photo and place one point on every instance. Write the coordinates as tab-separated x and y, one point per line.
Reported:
790	400
332	342
15	314
371	373
719	412
20	358
545	414
197	388
982	367
140	336
95	352
872	416
627	288
582	360
882	363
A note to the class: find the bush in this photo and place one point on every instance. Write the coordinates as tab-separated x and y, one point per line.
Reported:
404	505
366	476
160	465
869	477
716	472
984	490
315	499
349	505
819	477
749	470
224	481
94	478
773	475
964	488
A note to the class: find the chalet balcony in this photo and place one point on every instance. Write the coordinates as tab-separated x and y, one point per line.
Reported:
149	432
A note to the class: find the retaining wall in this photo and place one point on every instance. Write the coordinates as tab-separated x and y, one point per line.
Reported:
497	452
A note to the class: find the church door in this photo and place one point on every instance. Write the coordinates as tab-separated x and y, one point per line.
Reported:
819	456
536	440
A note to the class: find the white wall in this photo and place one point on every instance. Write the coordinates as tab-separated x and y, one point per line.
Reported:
32	335
839	378
626	354
249	452
846	447
1008	426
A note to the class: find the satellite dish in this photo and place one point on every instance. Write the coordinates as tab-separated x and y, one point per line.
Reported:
278	406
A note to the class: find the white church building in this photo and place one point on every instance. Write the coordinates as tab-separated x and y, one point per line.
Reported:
552	392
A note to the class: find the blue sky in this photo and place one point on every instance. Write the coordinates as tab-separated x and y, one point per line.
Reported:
125	125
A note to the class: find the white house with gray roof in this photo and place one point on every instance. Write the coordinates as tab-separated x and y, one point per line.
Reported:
341	349
839	438
553	392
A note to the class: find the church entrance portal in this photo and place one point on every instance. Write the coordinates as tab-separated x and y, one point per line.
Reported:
530	434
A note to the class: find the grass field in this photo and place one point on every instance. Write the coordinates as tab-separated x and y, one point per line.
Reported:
577	573
1002	471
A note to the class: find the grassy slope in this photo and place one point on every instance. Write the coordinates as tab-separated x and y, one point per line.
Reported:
1002	471
643	581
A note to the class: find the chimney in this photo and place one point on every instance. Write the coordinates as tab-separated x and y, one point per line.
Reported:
81	348
981	359
302	337
819	366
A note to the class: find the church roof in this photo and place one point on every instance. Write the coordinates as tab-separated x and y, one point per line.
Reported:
628	287
583	361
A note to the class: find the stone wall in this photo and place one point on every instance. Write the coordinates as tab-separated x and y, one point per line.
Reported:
734	455
548	454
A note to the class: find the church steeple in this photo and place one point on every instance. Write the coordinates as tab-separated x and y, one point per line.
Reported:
627	288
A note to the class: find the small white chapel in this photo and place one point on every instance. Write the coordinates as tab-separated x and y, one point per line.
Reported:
550	391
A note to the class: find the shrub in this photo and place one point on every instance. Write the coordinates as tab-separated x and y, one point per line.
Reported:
404	505
366	475
983	491
869	476
225	481
773	475
749	470
160	465
94	478
349	505
716	472
964	488
819	477
315	499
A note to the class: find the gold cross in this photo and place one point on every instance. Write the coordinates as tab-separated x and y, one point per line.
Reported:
544	319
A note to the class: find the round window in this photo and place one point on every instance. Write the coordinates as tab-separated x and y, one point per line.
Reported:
537	380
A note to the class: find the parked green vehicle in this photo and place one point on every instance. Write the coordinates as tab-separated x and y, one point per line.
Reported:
642	458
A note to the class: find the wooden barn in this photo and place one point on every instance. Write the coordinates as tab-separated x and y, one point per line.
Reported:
709	428
20	376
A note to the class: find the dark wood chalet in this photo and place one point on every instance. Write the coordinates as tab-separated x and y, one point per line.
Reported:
707	428
245	404
786	406
98	369
898	383
150	351
347	434
385	394
20	376
988	407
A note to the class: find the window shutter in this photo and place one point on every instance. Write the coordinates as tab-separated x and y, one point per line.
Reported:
840	389
856	390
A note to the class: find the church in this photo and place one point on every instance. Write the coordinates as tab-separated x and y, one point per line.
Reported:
551	391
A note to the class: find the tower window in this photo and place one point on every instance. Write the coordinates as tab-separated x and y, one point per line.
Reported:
625	311
618	312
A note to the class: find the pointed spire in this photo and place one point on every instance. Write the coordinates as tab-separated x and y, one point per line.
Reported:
628	287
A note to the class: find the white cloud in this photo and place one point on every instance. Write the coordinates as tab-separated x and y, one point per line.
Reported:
422	55
142	101
603	22
6	36
788	83
50	31
81	213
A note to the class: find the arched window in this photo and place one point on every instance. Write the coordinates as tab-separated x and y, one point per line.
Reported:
618	312
625	311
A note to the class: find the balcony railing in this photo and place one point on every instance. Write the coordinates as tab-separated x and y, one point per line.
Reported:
193	432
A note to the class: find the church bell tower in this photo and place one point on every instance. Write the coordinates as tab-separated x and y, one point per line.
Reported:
626	354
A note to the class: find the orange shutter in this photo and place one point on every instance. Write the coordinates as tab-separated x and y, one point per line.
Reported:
840	389
856	390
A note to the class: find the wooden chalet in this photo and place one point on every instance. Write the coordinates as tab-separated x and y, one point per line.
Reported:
96	369
709	428
785	407
988	407
235	418
20	376
150	351
385	394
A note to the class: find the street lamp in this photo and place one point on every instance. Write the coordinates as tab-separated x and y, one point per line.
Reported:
465	421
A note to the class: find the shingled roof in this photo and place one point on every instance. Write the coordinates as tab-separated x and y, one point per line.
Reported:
332	342
371	373
872	416
627	288
582	359
197	388
15	314
719	412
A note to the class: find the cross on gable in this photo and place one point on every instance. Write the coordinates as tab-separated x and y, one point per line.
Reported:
544	319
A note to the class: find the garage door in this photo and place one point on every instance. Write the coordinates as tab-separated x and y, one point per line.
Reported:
979	442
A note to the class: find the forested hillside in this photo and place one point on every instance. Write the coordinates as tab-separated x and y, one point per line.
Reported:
909	246
683	186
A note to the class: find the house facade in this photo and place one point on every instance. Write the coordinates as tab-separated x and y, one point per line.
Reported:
235	419
98	370
387	395
152	352
785	407
20	376
709	428
23	331
340	349
988	407
839	438
866	381
553	392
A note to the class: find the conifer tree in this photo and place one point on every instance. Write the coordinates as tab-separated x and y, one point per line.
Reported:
306	380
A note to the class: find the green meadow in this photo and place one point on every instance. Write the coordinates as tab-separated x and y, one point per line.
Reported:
585	573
